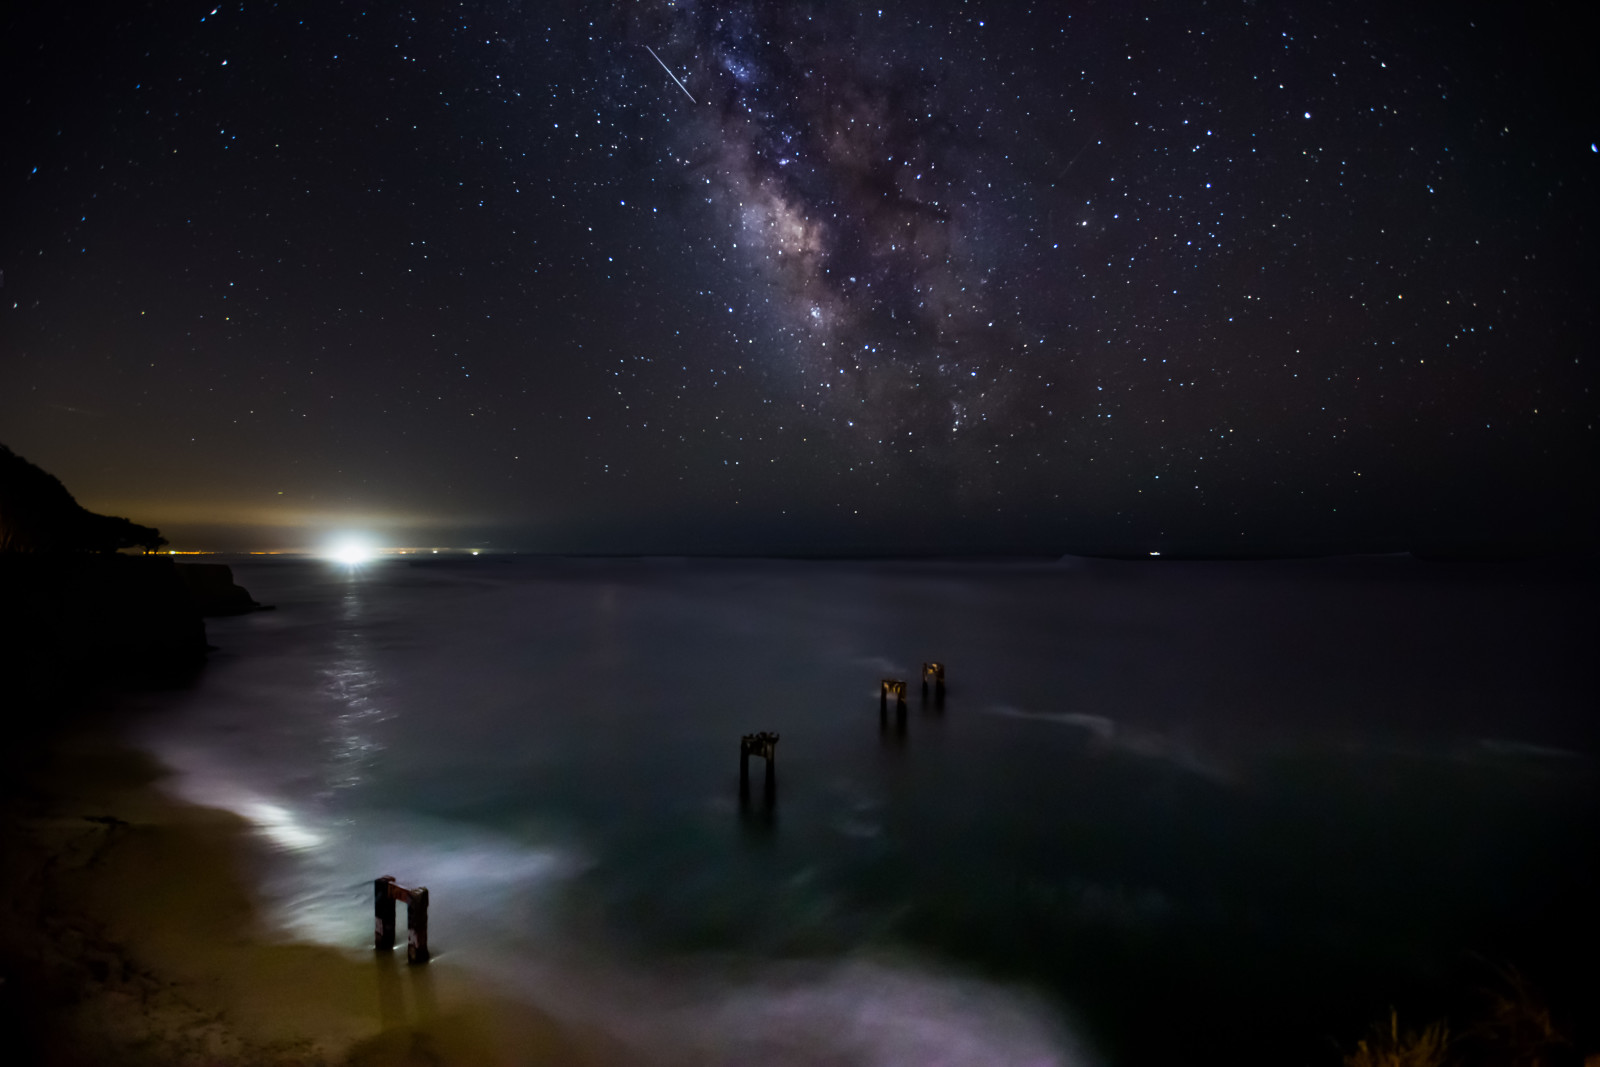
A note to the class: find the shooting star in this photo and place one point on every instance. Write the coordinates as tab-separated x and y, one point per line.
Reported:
1074	159
673	76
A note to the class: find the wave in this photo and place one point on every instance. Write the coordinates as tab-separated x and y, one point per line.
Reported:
1106	734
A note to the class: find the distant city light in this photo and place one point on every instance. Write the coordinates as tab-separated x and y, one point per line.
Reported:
1155	553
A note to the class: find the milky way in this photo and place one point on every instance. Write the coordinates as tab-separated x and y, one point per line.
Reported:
834	161
998	234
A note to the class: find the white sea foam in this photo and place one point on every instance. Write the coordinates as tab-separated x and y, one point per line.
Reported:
1146	744
858	1012
882	665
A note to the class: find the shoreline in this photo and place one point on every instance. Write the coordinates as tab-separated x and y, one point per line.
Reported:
132	938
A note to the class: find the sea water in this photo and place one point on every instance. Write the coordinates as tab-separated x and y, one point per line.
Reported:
1163	809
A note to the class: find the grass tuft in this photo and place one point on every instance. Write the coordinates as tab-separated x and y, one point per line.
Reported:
1390	1048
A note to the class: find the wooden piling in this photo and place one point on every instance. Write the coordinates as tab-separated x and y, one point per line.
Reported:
383	913
417	926
764	745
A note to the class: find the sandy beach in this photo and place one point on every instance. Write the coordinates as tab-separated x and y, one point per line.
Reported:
131	938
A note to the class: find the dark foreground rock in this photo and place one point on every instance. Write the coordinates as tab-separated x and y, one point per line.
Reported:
68	620
212	588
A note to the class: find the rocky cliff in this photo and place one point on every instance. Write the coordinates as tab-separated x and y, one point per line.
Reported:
213	591
68	620
73	611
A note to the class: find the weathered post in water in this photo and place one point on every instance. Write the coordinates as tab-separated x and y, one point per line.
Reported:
764	745
417	926
898	688
385	891
936	672
383	913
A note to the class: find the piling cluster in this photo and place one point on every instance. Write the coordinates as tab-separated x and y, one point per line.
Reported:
896	687
764	745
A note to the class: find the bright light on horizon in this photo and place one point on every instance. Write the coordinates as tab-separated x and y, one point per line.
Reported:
352	551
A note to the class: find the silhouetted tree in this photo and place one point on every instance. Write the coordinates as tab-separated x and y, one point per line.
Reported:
37	514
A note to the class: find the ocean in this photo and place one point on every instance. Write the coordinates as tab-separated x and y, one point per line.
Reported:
1164	811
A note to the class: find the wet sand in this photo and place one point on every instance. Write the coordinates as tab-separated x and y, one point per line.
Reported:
129	937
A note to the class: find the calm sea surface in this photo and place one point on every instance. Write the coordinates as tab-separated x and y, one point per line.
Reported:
1166	811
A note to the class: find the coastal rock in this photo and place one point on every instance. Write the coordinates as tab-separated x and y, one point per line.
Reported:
73	610
213	590
69	619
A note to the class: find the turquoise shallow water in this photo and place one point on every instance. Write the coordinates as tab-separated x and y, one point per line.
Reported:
1164	810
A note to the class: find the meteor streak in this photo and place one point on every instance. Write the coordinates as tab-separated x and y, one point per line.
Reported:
673	76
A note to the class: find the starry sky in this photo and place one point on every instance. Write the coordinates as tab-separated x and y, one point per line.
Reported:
787	277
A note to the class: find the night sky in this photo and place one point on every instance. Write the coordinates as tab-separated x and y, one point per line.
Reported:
760	276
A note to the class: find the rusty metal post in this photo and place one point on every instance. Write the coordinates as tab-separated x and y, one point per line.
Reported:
417	927
383	913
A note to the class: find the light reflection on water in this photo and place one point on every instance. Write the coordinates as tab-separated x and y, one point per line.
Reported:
351	682
1123	766
277	823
